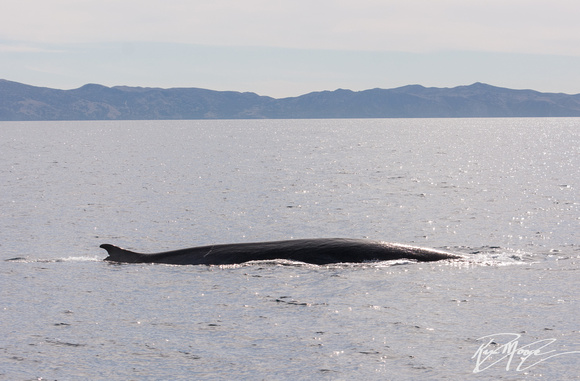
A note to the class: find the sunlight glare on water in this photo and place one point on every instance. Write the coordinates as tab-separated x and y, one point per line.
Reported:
503	192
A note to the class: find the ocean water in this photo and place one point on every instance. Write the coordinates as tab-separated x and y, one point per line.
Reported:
503	192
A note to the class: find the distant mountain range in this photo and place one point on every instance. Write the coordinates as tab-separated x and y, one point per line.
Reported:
95	102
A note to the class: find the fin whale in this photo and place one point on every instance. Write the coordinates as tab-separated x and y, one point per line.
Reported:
318	251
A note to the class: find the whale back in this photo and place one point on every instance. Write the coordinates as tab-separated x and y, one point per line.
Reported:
319	251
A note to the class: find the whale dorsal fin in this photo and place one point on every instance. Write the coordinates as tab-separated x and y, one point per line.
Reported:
117	254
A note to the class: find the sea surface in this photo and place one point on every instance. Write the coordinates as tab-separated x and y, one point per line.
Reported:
505	193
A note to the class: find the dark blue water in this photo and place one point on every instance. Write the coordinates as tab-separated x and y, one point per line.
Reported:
505	192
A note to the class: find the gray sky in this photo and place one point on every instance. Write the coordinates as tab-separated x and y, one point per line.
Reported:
291	47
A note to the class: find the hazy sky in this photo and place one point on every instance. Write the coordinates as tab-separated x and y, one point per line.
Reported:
290	47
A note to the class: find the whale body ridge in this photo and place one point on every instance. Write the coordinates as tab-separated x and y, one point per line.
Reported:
318	251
